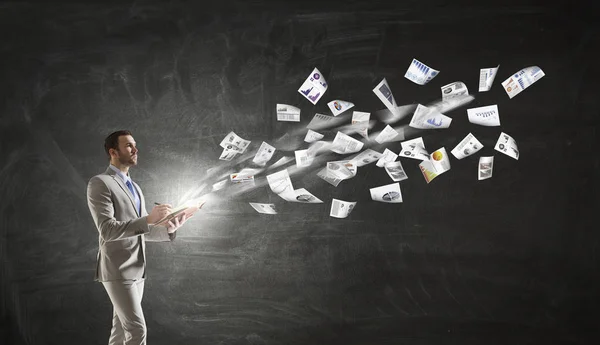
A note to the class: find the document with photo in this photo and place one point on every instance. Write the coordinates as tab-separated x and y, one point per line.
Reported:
287	112
343	143
486	166
233	142
458	88
486	78
360	123
264	154
338	106
507	145
440	161
313	87
389	193
312	136
396	171
340	208
425	118
342	169
227	155
485	116
428	171
468	146
368	156
387	157
264	208
420	73
387	134
414	148
521	80
384	93
303	196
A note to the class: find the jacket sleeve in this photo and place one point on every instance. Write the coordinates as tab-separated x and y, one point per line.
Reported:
102	210
157	233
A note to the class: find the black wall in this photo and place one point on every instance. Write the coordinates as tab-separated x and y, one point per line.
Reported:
513	259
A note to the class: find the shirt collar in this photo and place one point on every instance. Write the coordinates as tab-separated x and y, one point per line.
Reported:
124	177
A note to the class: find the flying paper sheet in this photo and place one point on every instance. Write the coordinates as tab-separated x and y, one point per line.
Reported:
507	145
340	208
440	161
414	148
314	87
468	146
486	166
241	178
366	157
233	142
320	121
389	193
360	122
396	171
522	80
280	183
303	159
484	116
458	88
387	134
227	155
325	175
384	93
342	170
387	157
428	171
312	136
425	118
264	208
420	73
486	78
343	143
287	112
264	154
338	106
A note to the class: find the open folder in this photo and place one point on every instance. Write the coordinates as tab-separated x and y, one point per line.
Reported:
189	208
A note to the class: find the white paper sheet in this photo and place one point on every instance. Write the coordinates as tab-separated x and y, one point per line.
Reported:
486	167
320	121
458	88
340	208
342	170
264	154
366	157
507	145
485	116
387	157
343	144
313	87
384	93
227	155
287	112
233	142
360	122
241	178
389	193
280	183
312	136
387	134
264	208
425	118
329	178
414	148
303	159
396	171
428	171
303	196
468	146
338	106
486	78
420	73
440	161
521	80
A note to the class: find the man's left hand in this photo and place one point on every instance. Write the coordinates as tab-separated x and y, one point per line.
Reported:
176	223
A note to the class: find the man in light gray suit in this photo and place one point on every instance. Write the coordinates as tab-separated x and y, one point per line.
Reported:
118	208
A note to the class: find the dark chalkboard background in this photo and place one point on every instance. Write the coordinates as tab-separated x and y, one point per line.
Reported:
510	260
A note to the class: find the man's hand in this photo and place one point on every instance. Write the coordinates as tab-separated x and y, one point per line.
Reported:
158	213
176	223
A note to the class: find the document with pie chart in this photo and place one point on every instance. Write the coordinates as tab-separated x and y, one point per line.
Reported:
389	193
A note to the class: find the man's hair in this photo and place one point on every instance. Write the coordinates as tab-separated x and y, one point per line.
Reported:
112	141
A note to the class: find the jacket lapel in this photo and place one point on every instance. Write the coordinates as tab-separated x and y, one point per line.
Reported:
123	187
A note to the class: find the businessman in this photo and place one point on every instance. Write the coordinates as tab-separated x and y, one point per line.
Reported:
118	208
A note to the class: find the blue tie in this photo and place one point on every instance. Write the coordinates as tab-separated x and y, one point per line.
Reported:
135	196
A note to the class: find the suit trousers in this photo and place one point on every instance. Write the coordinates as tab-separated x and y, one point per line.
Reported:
128	323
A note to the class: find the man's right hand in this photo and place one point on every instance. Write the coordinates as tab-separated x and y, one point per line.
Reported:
158	213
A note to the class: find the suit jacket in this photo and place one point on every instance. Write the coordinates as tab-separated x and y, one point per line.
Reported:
122	231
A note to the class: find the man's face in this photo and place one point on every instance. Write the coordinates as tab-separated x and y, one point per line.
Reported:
127	152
